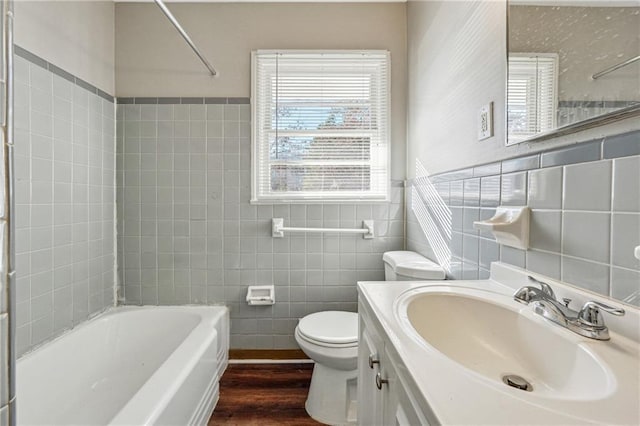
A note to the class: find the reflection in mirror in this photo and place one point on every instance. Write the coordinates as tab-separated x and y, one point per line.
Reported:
570	62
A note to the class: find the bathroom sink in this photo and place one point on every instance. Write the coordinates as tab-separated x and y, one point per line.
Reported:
471	354
491	335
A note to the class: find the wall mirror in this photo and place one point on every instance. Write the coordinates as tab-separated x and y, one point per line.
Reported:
571	65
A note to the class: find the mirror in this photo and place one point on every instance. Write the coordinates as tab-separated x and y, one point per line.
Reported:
571	65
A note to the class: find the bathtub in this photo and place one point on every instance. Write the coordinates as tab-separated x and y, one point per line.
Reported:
128	366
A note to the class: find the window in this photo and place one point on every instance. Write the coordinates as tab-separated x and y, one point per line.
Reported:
531	94
320	126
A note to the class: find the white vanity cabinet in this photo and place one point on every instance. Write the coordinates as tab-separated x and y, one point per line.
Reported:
383	398
370	350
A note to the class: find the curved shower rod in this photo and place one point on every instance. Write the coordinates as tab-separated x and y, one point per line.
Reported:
185	36
615	67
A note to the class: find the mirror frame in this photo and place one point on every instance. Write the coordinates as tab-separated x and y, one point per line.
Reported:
578	126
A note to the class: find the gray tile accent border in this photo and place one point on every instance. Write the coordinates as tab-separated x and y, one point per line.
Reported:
183	101
105	95
521	163
150	101
579	153
614	146
161	101
238	100
623	145
87	86
62	73
35	59
596	104
487	169
214	101
453	175
190	101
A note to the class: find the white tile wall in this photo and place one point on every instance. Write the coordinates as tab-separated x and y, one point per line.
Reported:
514	189
585	235
65	192
587	186
545	230
544	263
626	175
625	232
585	223
189	235
589	275
545	188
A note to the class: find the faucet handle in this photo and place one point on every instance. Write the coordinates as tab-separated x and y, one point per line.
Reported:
590	313
526	294
546	288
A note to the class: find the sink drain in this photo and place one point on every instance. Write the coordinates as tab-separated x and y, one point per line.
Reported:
517	382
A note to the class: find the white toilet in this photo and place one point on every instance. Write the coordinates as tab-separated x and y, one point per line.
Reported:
331	340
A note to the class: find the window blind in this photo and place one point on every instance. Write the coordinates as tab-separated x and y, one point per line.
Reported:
531	94
320	126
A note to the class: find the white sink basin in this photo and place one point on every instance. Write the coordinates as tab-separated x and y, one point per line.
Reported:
454	341
486	333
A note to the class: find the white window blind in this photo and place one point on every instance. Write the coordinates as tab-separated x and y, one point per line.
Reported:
531	94
320	126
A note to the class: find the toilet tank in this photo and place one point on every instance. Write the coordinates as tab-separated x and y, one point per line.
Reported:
410	266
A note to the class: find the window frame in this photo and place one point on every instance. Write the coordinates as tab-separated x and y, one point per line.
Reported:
555	57
321	197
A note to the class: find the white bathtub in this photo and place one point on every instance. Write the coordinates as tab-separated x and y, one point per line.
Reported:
129	366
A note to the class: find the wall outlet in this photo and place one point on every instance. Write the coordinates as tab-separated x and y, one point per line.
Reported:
485	122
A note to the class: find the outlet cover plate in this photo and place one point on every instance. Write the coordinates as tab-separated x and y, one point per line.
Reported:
485	122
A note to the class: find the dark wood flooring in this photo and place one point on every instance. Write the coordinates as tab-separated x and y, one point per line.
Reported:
263	394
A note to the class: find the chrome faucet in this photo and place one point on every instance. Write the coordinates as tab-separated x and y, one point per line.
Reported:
588	322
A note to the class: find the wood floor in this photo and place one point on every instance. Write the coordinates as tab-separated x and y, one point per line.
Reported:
263	394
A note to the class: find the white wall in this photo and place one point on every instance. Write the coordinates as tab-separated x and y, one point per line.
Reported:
153	60
77	36
456	64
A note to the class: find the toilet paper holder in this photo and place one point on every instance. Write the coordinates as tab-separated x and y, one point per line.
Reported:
261	295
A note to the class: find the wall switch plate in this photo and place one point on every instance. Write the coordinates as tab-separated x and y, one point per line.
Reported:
485	122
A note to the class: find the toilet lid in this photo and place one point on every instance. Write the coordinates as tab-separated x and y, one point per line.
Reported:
330	327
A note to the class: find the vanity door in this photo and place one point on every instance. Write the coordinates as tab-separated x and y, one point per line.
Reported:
398	407
370	349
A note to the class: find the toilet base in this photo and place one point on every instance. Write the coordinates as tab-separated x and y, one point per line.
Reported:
332	396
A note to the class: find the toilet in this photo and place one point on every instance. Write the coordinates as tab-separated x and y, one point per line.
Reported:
330	339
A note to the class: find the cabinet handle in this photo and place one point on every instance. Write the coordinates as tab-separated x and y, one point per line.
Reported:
380	381
373	360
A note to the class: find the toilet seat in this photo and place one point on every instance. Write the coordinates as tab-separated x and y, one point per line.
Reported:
325	344
330	329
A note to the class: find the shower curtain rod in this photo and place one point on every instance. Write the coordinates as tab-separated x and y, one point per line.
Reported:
185	36
615	67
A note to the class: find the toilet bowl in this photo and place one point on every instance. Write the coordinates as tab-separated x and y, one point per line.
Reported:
330	339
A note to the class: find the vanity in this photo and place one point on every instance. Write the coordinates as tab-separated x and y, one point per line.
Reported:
467	352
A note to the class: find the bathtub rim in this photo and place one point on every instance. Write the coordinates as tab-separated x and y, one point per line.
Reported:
172	372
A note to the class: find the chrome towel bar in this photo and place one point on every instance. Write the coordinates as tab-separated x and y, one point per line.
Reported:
278	229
